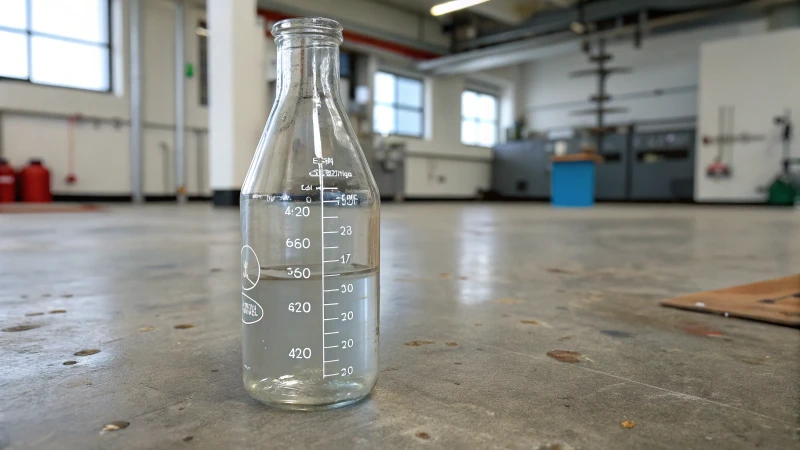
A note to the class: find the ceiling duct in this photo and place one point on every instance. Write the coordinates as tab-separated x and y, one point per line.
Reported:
531	42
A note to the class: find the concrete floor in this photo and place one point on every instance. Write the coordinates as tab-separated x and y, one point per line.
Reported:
468	273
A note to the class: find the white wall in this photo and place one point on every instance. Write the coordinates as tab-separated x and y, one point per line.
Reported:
102	158
760	77
663	62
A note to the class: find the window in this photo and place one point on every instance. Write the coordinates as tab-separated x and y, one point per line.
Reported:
478	119
398	105
56	42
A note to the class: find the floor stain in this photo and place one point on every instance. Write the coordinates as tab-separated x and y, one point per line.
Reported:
702	330
529	322
216	270
551	447
558	270
21	328
183	326
116	425
566	356
417	343
628	424
478	324
565	338
70	363
23	296
458	364
188	438
422	435
87	352
146	329
67	296
160	266
444	275
390	369
451	344
508	301
58	311
463	278
34	314
617	333
753	360
45	295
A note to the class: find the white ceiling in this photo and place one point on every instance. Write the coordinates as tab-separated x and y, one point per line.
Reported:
506	11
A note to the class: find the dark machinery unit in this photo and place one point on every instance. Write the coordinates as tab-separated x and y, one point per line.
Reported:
612	176
654	166
663	165
521	169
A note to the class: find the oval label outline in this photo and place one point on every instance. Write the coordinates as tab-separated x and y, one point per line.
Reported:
258	306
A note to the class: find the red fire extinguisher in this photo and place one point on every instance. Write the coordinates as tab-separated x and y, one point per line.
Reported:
35	181
8	182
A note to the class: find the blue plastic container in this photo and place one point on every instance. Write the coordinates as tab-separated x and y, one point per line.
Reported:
572	184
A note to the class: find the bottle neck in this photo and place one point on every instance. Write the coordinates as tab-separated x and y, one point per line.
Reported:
308	66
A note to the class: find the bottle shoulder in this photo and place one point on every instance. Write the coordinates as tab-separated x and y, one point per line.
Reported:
309	144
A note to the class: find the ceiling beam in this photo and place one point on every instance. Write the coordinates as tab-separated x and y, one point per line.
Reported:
504	11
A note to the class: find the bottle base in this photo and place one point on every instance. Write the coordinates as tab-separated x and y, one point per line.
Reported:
309	393
291	405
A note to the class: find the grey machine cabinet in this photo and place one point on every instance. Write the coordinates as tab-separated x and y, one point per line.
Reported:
612	176
521	169
663	166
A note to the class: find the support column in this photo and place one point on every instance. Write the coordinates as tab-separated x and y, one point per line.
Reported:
135	26
180	100
237	97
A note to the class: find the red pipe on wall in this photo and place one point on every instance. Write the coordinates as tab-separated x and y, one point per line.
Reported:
405	50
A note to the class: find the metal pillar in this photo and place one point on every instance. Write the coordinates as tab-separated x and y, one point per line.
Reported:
135	24
180	100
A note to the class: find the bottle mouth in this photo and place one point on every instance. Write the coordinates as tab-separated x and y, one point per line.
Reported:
308	26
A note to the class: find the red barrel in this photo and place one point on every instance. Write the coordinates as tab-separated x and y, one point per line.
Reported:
35	181
8	182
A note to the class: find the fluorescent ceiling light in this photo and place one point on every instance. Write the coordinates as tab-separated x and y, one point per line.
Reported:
454	5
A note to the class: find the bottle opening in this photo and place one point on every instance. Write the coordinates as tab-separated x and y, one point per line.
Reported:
308	26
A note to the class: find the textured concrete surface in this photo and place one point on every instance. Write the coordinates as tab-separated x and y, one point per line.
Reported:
507	283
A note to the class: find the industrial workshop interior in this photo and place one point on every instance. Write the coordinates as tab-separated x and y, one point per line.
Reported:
379	224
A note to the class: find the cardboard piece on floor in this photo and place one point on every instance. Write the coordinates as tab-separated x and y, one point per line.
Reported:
775	301
27	208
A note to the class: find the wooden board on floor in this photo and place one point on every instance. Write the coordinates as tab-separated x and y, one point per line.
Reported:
775	301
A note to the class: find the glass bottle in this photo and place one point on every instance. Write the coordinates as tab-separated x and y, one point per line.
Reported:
310	237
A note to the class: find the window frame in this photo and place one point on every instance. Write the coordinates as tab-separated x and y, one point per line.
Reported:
29	33
478	120
396	106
